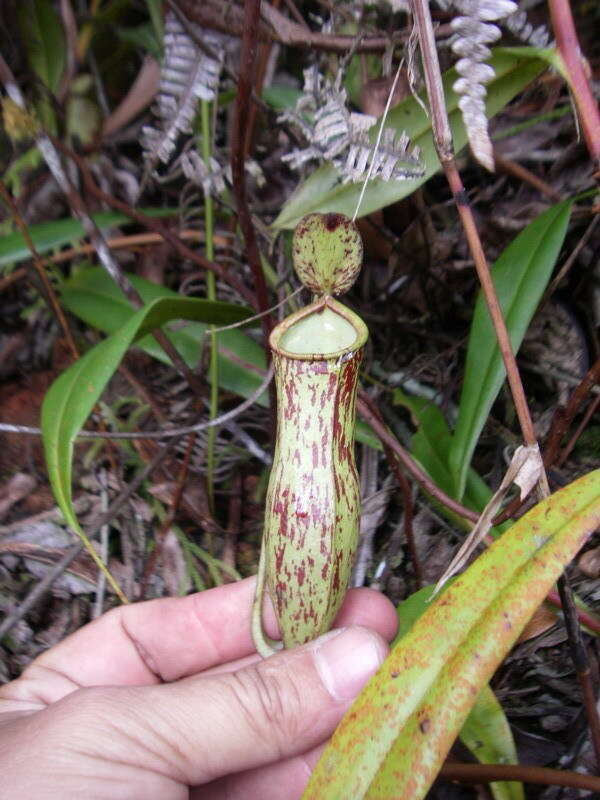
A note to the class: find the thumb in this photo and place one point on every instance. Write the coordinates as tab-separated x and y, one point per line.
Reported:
262	713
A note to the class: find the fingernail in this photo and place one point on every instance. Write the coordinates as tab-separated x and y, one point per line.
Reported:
346	659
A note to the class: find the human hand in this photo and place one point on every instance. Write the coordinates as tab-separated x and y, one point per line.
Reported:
167	699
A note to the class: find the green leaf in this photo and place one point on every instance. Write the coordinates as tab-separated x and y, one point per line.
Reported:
520	276
94	298
413	607
550	55
82	118
44	40
155	11
142	36
365	435
72	396
48	235
395	737
322	191
431	446
19	168
486	731
487	734
281	97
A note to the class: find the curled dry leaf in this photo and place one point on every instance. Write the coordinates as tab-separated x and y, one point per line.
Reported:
589	563
543	619
518	24
142	93
524	471
210	177
18	487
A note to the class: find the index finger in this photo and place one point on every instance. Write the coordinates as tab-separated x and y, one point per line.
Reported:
171	638
159	640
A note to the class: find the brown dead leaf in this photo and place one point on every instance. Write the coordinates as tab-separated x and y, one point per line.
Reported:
543	619
18	487
140	95
20	403
524	471
374	93
42	544
193	502
80	578
589	563
58	628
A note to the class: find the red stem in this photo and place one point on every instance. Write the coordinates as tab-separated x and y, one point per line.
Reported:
240	123
364	407
568	45
488	773
590	622
406	493
564	417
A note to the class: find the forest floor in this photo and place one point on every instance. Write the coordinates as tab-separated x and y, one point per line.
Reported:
196	521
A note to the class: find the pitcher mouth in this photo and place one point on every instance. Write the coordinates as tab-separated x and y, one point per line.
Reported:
325	329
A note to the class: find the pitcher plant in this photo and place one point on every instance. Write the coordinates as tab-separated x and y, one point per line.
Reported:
313	499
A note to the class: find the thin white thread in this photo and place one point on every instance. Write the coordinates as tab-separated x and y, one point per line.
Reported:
378	140
248	320
168	433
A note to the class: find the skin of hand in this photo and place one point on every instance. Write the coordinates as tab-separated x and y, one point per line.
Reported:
167	699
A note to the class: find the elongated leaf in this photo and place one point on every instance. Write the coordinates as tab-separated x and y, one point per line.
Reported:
486	731
520	276
487	734
144	37
431	446
48	235
95	298
155	11
72	396
393	740
413	607
323	192
44	39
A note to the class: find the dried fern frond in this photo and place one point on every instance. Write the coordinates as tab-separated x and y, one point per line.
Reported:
391	160
188	73
336	135
474	31
518	24
213	177
210	177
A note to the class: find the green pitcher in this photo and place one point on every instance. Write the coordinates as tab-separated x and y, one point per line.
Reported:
313	499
